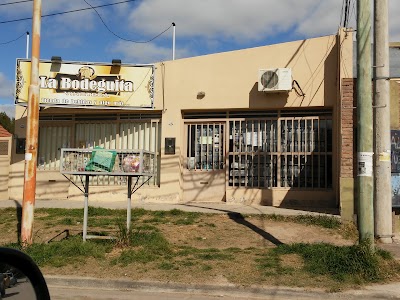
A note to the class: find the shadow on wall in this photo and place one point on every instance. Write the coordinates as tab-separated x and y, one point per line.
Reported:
307	84
261	99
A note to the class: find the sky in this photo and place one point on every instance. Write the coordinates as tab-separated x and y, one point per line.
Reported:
202	27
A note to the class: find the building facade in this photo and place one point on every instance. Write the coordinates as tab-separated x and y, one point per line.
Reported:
216	136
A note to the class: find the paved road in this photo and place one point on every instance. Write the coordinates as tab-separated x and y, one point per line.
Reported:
22	291
64	293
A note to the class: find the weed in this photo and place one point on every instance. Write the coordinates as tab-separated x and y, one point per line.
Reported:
343	263
274	217
167	266
176	212
138	212
386	255
187	263
58	254
206	267
148	237
67	221
234	250
130	256
212	254
156	220
320	220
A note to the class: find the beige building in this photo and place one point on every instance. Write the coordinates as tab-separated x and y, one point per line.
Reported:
226	139
5	155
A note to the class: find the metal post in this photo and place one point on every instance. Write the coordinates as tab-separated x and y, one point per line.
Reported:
383	189
27	44
28	202
85	208
129	207
364	124
173	40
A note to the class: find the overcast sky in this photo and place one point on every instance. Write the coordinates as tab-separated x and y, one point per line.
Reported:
202	27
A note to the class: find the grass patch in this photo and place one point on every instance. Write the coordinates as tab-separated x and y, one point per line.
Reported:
67	221
317	220
148	242
355	264
66	252
130	256
165	265
204	254
270	265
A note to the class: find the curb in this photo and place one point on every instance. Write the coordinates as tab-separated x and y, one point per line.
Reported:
215	290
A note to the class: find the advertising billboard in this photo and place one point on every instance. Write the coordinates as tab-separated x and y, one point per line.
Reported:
89	85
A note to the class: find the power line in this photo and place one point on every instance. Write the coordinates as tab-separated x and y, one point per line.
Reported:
125	39
66	12
346	14
16	2
4	43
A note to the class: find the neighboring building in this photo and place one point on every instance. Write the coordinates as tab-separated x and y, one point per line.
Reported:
5	156
233	142
349	125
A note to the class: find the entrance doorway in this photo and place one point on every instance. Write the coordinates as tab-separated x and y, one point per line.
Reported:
204	173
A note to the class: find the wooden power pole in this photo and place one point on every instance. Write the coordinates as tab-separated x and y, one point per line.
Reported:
28	202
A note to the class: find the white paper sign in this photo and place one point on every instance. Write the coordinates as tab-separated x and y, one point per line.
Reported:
365	163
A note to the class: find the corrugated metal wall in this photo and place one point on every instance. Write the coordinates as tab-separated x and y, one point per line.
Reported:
138	134
51	140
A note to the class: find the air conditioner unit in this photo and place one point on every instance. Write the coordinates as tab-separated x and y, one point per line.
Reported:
275	80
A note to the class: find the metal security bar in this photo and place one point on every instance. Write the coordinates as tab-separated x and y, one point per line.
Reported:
205	149
112	162
253	152
281	152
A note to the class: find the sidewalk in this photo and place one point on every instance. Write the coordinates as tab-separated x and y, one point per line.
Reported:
196	207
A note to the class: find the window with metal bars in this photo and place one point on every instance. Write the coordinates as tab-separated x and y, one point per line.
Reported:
205	149
291	152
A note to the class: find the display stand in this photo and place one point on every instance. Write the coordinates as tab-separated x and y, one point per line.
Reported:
126	163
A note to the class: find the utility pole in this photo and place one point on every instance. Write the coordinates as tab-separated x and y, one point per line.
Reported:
173	40
383	189
364	125
28	202
27	44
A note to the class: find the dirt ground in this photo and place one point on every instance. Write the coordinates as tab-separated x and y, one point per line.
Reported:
250	236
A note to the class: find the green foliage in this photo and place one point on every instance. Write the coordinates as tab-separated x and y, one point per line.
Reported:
342	263
130	256
70	251
7	122
317	220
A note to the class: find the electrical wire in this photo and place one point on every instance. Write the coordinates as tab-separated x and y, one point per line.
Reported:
342	12
67	12
122	38
5	43
346	14
16	2
296	90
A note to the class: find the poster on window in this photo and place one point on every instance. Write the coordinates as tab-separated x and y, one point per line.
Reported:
395	151
89	85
